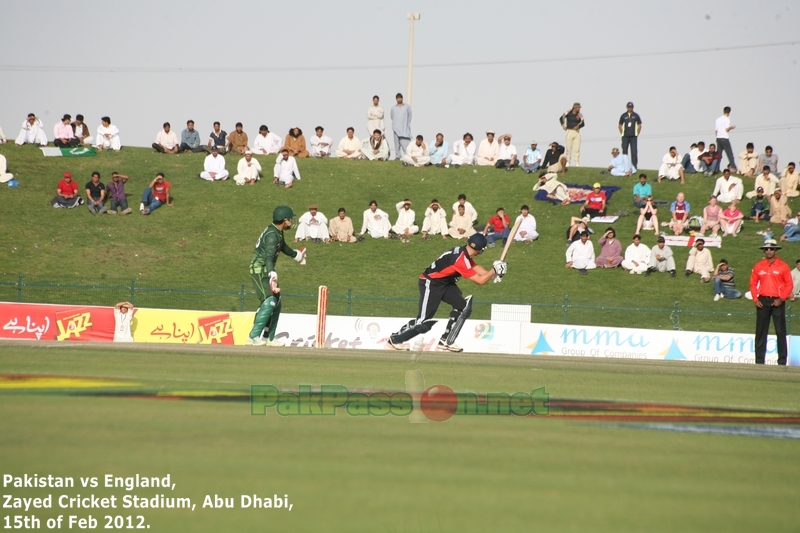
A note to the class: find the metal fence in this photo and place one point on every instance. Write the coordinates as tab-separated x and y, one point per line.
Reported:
736	317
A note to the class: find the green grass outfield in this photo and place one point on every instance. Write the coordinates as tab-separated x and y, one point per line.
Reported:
386	474
206	240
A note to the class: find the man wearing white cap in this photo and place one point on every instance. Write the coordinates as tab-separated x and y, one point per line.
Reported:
312	225
532	158
248	170
487	151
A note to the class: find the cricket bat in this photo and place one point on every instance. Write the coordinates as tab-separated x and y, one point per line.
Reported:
511	235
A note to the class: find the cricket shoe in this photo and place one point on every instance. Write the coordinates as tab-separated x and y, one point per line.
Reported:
449	347
274	343
258	341
398	346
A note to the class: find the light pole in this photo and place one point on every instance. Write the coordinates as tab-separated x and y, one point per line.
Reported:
411	17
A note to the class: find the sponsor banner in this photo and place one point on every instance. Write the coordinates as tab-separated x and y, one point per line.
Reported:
190	327
623	343
78	151
56	322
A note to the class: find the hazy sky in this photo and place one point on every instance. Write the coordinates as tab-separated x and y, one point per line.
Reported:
512	66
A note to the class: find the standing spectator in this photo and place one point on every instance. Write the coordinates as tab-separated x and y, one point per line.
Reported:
107	136
219	138
166	141
595	204
572	122
214	167
722	127
499	224
81	131
63	136
96	195
401	126
641	191
770	286
438	151
630	126
237	140
532	159
66	193
116	191
375	117
724	286
32	132
190	139
768	159
155	195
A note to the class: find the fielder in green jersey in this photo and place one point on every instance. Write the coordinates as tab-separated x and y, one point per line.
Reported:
265	279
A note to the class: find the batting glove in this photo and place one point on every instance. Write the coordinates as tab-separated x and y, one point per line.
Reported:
501	267
301	256
273	282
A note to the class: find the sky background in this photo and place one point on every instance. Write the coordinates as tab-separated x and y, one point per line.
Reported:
511	66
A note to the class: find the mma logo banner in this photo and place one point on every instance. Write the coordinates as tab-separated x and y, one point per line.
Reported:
216	329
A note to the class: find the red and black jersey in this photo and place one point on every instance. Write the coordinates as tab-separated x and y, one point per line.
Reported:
450	266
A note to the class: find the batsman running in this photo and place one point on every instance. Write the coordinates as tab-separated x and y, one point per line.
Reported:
438	284
262	271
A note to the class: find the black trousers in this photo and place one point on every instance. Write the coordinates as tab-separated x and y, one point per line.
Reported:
724	145
61	144
763	315
432	293
633	143
186	148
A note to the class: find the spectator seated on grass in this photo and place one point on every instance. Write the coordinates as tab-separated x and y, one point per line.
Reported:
610	250
266	142
296	143
728	188
711	161
463	151
405	227
731	220
637	256
671	167
768	159
376	148
349	147
320	143
285	170
63	136
237	140
190	139
497	227
219	138
166	141
67	193
790	181
81	131
760	208
341	228
554	159
595	204
214	167
312	225
155	195
461	224
620	164
679	211
527	226
641	191
748	161
779	211
5	176
107	136
96	195
691	163
32	132
248	170
116	192
506	154
700	261
767	180
438	151
376	222
661	259
724	284
648	217
435	221
488	150
577	225
417	154
580	254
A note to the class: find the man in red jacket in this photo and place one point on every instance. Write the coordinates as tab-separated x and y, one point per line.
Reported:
771	286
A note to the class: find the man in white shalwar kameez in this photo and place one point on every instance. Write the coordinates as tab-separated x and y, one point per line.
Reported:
32	132
312	225
248	170
580	254
461	226
767	181
728	188
107	136
671	167
376	147
266	142
349	147
487	151
376	222
435	221
375	117
464	151
637	257
5	177
320	144
417	154
548	181
405	227
286	170
214	167
527	227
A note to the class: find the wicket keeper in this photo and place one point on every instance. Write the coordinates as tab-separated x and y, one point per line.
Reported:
265	280
438	284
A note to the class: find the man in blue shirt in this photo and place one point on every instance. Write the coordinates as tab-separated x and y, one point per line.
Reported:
190	139
630	126
401	126
532	159
641	191
438	151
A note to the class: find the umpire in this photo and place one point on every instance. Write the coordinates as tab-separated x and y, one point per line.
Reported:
770	286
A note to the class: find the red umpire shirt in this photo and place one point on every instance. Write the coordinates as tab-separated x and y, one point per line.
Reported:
771	279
